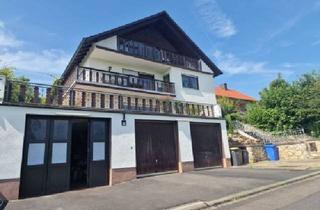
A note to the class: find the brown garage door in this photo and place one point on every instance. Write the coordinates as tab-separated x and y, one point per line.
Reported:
155	146
206	144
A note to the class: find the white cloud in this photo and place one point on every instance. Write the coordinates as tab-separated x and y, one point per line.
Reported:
215	18
233	65
46	61
13	54
7	39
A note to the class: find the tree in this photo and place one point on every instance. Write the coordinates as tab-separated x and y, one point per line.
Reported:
15	88
229	112
286	105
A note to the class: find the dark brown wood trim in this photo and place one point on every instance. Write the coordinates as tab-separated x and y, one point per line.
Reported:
127	54
107	111
123	88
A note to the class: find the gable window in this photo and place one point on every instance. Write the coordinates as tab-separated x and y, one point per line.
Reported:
190	82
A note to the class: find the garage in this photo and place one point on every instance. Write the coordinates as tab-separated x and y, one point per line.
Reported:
63	153
206	144
156	146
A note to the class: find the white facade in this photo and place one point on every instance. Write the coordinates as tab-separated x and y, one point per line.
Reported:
102	59
12	129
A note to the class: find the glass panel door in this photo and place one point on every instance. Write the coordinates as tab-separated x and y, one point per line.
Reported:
97	156
34	164
58	177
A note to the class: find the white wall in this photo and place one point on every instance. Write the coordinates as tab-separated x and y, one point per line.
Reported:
12	129
12	123
205	67
110	43
185	142
205	94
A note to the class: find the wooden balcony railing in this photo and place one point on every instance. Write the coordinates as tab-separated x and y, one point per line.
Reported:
142	50
98	76
39	95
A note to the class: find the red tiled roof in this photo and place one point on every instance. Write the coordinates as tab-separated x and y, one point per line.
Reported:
220	91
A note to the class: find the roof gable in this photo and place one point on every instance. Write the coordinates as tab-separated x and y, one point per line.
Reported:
168	23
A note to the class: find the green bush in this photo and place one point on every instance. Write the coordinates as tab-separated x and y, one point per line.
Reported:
286	105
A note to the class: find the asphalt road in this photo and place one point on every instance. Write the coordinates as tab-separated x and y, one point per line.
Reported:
303	195
159	192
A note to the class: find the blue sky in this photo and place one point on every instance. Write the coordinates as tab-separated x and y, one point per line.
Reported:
251	41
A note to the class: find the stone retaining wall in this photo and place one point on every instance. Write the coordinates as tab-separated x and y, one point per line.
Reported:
256	153
299	151
293	151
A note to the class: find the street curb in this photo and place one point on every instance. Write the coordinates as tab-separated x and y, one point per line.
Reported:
243	194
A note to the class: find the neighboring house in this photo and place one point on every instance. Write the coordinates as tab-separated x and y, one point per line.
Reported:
135	100
241	100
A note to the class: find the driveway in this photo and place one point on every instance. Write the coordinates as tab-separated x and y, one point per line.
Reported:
161	191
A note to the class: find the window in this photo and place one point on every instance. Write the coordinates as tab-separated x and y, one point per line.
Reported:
59	153
190	82
36	154
98	151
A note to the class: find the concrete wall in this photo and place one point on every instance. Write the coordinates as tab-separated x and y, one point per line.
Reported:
12	129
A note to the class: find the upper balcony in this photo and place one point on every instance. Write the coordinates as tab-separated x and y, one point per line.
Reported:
142	50
86	75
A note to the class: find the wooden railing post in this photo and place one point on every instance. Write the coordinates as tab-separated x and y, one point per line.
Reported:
60	96
111	102
71	98
143	104
102	100
90	75
48	96
151	104
120	102
136	103
22	93
35	95
83	99
9	92
84	74
157	106
129	103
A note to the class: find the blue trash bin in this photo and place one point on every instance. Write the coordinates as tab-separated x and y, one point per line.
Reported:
272	151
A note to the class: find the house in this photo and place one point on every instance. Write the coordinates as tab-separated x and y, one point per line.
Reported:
135	100
241	100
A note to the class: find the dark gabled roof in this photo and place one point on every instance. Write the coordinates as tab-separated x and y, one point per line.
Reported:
87	42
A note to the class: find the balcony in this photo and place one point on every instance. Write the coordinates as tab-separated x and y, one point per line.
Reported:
155	54
40	95
124	81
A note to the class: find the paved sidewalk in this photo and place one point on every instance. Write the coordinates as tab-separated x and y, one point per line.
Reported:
309	164
160	192
302	195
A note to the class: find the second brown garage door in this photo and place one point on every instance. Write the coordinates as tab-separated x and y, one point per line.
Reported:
206	144
156	146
